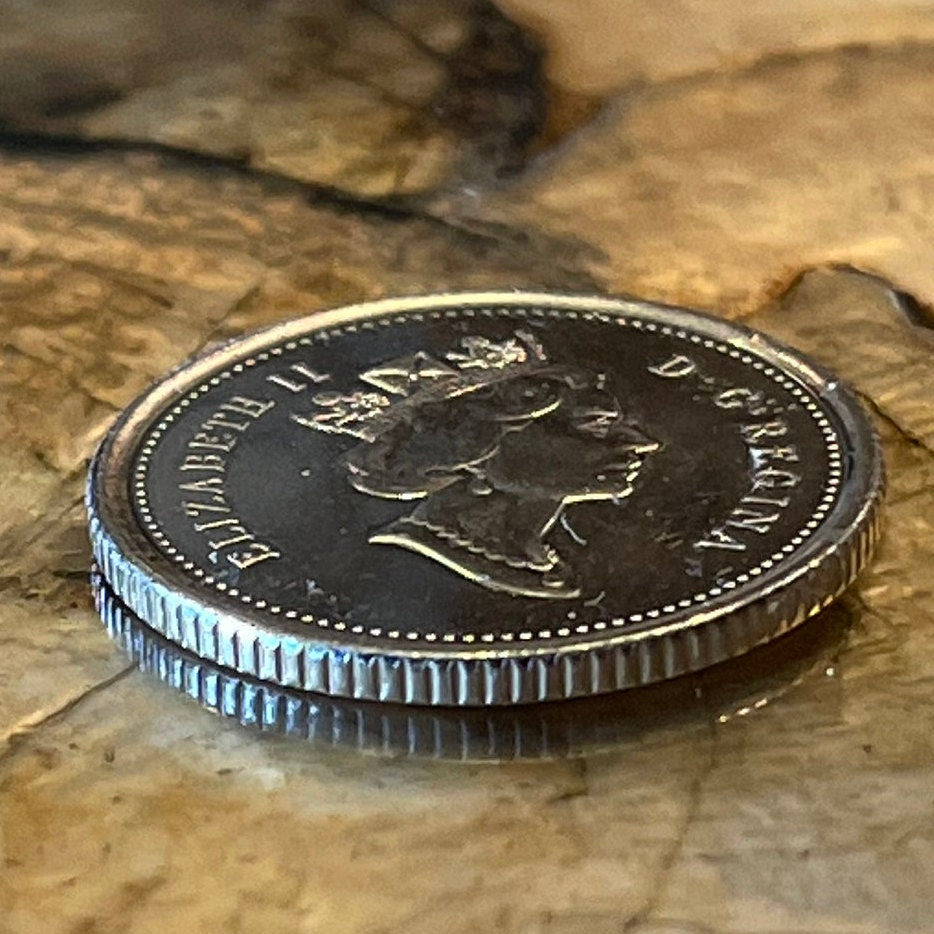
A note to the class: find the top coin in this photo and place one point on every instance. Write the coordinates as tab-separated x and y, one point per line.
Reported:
486	498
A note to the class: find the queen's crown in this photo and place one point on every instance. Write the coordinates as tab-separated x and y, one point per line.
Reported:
366	413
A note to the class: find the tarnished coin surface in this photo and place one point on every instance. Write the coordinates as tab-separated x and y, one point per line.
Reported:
485	498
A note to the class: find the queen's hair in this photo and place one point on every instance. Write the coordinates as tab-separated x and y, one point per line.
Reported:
423	422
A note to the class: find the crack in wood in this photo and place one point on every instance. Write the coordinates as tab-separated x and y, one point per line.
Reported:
660	880
29	726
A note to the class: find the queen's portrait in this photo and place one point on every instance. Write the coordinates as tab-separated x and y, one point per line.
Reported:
491	443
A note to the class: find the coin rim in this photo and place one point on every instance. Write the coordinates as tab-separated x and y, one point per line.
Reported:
450	674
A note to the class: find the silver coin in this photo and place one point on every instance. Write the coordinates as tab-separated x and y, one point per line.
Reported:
486	498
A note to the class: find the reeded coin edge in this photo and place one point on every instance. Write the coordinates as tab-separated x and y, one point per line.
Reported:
476	676
467	734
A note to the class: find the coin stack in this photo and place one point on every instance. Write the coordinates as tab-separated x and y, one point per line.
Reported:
479	500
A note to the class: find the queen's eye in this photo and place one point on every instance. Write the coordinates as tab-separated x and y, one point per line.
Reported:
526	399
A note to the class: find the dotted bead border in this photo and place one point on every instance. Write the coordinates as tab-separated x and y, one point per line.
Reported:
829	497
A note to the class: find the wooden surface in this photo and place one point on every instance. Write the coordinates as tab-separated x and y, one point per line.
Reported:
171	175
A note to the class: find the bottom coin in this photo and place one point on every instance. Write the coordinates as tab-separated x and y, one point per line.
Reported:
572	728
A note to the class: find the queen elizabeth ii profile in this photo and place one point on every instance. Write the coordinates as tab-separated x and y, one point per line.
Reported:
491	444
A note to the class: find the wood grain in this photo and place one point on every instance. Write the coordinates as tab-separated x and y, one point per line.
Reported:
177	174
